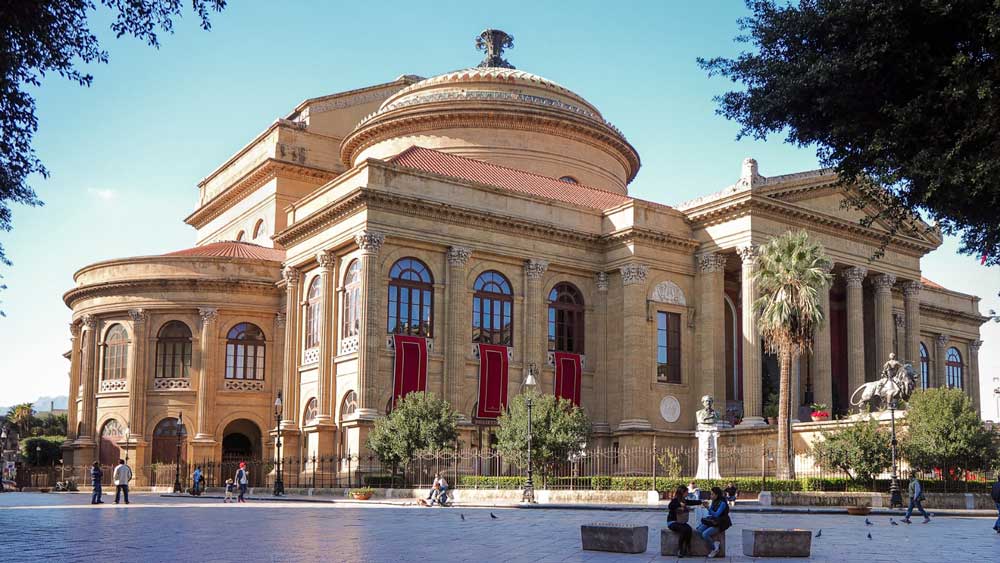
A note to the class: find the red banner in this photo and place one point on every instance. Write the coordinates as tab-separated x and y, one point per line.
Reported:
569	376
492	381
410	372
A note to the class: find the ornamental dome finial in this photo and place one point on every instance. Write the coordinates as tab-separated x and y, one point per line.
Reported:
493	42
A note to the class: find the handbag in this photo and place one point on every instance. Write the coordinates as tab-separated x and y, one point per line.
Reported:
709	521
682	516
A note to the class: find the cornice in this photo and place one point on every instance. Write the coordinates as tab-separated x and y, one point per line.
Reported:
255	178
638	234
951	314
132	287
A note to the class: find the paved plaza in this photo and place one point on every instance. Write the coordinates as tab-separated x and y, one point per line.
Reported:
65	527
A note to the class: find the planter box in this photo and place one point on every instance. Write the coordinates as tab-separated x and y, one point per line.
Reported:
360	496
859	510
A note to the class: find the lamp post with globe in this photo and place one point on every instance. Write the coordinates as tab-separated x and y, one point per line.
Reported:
279	484
179	430
529	485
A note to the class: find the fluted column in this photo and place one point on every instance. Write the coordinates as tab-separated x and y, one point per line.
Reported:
854	278
206	383
633	349
370	243
324	376
72	407
821	366
911	310
137	377
89	379
711	328
290	375
973	387
598	353
941	359
458	337
752	367
885	326
899	336
534	270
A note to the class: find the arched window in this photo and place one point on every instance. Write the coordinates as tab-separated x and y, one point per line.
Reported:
953	368
240	236
925	367
165	439
258	229
115	353
349	405
568	180
493	310
352	300
312	312
108	451
566	319
411	298
312	409
173	350
245	352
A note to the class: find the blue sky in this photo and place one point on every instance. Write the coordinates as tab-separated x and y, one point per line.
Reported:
126	154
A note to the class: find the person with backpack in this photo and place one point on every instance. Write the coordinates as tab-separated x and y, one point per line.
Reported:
242	481
197	478
122	476
716	522
916	494
95	480
995	495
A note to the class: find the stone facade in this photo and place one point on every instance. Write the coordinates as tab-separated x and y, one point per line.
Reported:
458	174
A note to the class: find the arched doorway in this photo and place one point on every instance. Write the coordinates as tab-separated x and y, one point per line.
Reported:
108	451
241	441
165	442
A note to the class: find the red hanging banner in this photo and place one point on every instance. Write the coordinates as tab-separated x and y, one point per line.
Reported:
492	381
410	371
569	376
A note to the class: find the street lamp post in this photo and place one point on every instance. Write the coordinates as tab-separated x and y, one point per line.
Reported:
895	495
125	434
3	458
529	485
279	484
179	431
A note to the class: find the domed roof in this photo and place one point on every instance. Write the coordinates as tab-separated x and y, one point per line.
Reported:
232	249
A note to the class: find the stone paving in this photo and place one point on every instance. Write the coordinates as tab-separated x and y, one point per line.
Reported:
65	527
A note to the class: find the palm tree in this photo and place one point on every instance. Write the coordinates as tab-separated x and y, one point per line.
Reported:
21	417
791	271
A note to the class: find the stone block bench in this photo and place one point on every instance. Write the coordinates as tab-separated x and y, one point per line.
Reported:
619	538
670	542
760	542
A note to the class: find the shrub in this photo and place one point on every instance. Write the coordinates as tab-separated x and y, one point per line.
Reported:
383	481
51	450
944	431
862	450
420	422
558	429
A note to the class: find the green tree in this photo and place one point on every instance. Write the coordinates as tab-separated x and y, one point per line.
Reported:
901	98
862	450
53	37
558	428
420	422
943	430
22	416
791	271
42	450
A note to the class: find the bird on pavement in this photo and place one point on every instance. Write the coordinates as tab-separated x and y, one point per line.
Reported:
869	535
819	533
494	516
463	517
868	522
893	522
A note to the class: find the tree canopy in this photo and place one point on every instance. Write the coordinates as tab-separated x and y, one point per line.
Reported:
943	431
862	450
558	428
901	98
53	37
420	422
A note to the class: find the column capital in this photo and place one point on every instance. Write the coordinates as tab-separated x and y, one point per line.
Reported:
138	316
290	274
899	319
75	327
711	262
458	255
942	340
601	279
748	252
370	242
912	288
634	273
883	282
535	268
279	321
90	321
208	315
974	346
854	276
326	259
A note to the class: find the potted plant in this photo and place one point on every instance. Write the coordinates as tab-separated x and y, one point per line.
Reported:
859	510
364	493
771	408
820	412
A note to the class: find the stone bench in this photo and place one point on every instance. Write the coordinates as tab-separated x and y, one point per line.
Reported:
759	542
670	542
619	538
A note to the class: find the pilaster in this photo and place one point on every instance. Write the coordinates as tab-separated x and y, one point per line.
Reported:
752	367
206	384
137	377
822	369
89	380
325	378
458	327
598	351
370	243
711	316
72	406
534	271
290	376
941	357
633	345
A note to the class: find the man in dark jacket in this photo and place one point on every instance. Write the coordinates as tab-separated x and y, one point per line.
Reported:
95	481
995	493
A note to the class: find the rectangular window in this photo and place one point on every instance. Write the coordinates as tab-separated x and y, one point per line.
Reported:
668	347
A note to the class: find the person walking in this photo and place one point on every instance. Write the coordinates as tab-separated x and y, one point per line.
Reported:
122	476
995	495
916	493
96	475
197	478
694	493
716	522
678	514
242	481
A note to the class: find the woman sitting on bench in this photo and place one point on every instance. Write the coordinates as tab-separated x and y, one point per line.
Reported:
716	522
677	518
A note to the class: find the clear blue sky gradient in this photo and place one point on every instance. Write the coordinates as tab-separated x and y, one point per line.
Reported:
126	154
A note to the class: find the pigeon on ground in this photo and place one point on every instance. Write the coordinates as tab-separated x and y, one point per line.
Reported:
493	516
463	517
893	522
868	522
819	533
869	535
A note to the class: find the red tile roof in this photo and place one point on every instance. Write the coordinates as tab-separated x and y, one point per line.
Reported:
929	283
463	168
233	249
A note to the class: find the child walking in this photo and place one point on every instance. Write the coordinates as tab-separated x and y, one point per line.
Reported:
230	491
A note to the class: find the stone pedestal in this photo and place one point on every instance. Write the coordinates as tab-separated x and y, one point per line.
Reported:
776	542
618	538
708	451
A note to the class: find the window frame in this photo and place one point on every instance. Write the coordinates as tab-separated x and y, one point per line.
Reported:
114	361
566	320
669	371
397	309
314	299
502	335
171	362
351	301
925	366
954	369
237	371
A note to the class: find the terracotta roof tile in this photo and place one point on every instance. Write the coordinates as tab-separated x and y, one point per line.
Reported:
460	167
233	249
929	283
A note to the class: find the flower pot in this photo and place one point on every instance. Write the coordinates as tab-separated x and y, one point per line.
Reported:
859	510
820	417
362	496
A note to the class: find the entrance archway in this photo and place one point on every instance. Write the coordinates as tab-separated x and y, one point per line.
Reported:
165	442
241	441
108	451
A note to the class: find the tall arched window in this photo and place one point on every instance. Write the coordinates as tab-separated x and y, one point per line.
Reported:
566	319
258	229
493	310
173	350
312	409
411	298
115	353
925	367
313	313
165	438
953	368
349	405
352	300
245	352
240	236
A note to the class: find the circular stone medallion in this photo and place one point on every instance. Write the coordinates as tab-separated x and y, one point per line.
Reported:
670	408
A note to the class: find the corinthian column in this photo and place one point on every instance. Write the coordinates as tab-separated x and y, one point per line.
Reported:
72	407
206	383
885	326
911	309
752	368
633	349
534	270
598	353
89	380
326	379
137	377
941	355
822	370
854	278
711	329
370	243
458	327
290	378
973	387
